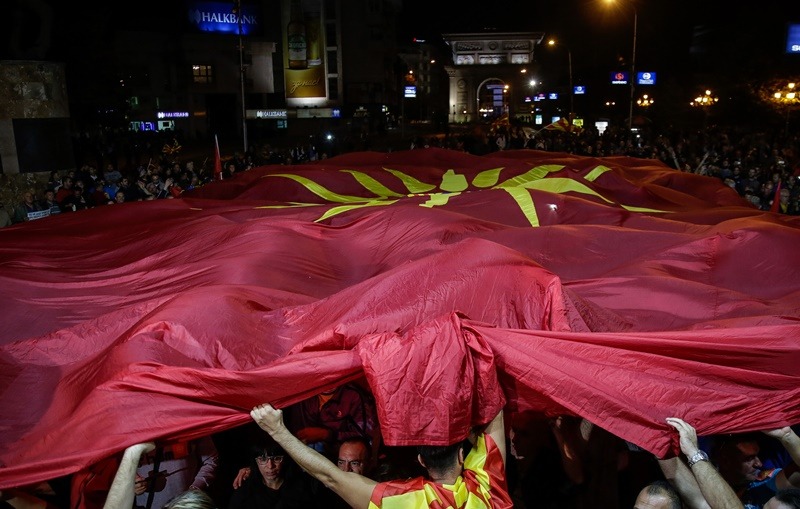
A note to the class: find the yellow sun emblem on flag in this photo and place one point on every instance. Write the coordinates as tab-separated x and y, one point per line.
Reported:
453	184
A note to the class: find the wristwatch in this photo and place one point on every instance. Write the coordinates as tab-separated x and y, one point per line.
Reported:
698	456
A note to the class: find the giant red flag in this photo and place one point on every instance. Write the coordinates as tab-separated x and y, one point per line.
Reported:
613	288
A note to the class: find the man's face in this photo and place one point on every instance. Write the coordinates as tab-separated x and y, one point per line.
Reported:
353	457
647	501
750	463
742	464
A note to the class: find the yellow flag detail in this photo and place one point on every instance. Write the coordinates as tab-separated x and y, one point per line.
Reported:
333	211
373	185
599	170
525	202
487	178
413	185
320	190
452	182
438	199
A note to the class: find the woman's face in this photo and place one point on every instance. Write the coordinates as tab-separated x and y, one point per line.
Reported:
270	467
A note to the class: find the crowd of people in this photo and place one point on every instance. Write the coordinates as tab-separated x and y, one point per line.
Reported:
327	452
762	166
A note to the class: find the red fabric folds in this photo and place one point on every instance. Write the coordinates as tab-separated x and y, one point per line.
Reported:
441	373
615	288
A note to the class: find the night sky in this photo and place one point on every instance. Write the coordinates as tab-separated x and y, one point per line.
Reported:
702	42
670	32
673	35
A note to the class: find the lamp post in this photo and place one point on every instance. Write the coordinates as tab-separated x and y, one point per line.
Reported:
788	97
645	101
552	42
238	9
705	101
633	67
633	71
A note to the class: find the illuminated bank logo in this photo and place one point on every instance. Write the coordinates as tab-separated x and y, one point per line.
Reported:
222	17
619	78
646	78
793	39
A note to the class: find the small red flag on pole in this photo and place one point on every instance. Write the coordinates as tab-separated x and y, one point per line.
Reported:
217	160
776	201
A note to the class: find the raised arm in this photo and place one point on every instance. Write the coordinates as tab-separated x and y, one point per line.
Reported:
567	435
789	477
715	490
353	488
681	478
496	429
121	493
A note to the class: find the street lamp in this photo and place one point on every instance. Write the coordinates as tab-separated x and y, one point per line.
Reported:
705	101
238	11
633	67
645	101
788	97
552	42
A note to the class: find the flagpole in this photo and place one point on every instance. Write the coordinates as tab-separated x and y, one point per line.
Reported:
542	129
217	160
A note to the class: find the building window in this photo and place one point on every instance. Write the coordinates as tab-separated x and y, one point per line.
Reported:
333	65
333	88
202	74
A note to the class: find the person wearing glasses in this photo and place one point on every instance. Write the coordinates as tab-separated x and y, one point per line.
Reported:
355	456
276	482
456	478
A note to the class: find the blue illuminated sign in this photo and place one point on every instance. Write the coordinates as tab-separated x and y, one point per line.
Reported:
220	17
410	91
793	39
172	114
552	95
579	90
619	78
645	78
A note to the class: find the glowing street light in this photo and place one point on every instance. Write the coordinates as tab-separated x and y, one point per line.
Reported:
705	101
645	101
788	97
552	42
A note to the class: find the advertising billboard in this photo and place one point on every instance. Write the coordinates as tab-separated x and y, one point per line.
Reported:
619	78
303	52
645	78
793	39
221	17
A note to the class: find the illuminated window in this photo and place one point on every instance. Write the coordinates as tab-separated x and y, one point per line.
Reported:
202	74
